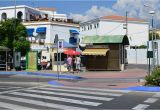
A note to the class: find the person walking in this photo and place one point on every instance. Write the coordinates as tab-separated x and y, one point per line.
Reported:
78	63
69	63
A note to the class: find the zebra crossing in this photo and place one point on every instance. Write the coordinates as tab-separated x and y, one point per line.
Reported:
6	88
57	97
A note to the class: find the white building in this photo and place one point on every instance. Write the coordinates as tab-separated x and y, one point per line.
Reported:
26	13
115	25
42	34
53	15
42	25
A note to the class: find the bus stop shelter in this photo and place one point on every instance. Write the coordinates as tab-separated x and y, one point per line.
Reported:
4	57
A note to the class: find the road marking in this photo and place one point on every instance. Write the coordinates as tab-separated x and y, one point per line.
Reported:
156	95
93	89
79	91
14	107
141	107
151	100
72	95
4	92
41	103
81	102
10	87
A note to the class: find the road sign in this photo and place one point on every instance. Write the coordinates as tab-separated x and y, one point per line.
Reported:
149	54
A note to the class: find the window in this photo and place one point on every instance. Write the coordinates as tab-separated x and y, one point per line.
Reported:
19	15
91	26
84	28
4	16
88	27
94	25
97	25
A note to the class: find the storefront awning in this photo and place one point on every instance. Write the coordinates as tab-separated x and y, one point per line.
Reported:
41	30
30	31
108	39
100	52
73	31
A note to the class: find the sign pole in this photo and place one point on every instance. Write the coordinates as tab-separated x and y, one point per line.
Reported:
56	42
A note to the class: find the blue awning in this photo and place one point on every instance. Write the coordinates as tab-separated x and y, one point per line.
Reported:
73	31
65	45
30	31
41	30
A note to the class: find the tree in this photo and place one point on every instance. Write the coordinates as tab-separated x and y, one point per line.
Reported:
150	36
14	37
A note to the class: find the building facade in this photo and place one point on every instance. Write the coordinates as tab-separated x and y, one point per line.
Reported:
137	30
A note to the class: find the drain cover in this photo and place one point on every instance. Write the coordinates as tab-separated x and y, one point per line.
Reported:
111	85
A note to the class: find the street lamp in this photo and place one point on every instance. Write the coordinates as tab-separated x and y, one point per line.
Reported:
152	13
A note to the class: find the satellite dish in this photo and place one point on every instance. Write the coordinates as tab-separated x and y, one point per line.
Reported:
35	34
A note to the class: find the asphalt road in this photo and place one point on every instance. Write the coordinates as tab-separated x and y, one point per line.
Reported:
19	92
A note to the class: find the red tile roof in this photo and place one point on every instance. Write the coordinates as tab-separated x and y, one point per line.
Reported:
120	18
47	9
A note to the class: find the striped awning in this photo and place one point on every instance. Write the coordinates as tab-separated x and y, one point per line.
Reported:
100	52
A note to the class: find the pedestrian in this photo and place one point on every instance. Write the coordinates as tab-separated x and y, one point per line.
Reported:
78	63
69	63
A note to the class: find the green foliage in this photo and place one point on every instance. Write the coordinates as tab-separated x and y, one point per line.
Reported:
142	47
150	36
13	34
154	78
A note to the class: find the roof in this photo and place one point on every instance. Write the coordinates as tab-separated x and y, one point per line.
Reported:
45	8
2	48
121	18
106	39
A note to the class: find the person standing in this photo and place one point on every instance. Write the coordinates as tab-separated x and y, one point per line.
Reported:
69	63
78	63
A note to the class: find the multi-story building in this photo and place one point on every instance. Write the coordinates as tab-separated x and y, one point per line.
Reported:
137	30
42	25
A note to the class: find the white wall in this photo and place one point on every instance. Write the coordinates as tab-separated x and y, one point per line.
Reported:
11	12
63	31
137	56
137	32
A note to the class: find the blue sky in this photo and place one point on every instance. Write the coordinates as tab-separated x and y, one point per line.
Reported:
82	10
62	6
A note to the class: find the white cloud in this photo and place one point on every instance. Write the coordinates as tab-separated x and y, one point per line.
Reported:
135	9
94	12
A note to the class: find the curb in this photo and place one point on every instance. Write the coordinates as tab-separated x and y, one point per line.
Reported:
143	88
55	83
44	74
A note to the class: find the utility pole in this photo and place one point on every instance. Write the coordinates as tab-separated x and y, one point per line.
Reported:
14	34
125	52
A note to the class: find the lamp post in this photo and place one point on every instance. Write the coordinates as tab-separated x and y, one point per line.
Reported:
152	13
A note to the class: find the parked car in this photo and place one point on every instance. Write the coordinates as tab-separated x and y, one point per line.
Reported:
23	64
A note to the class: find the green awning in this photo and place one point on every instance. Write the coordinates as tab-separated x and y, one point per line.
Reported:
106	39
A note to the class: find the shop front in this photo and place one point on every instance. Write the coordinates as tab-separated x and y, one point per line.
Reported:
105	52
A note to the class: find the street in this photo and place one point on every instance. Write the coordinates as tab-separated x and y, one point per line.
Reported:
33	93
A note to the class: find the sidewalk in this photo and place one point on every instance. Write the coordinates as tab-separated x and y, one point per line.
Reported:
105	79
109	79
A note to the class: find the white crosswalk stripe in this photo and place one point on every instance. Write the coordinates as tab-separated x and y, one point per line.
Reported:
56	98
93	89
85	92
72	95
40	103
14	107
